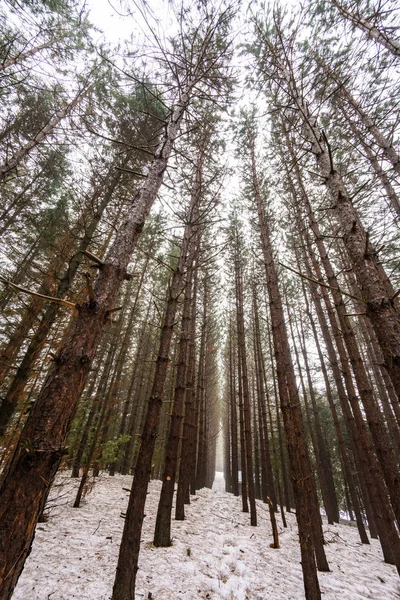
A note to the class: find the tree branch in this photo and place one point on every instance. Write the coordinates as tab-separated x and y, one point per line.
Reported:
18	288
325	285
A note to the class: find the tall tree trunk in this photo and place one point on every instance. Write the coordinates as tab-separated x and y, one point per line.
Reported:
268	485
233	413
323	454
133	397
21	56
362	447
23	152
282	454
384	179
384	451
243	462
30	473
94	409
162	534
349	477
311	540
372	280
127	567
320	145
35	347
320	472
247	449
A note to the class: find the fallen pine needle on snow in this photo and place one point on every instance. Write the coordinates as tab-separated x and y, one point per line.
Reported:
211	557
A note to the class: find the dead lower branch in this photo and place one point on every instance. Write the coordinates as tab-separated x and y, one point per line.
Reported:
94	258
325	285
18	288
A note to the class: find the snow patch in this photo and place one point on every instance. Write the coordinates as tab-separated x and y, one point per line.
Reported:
215	554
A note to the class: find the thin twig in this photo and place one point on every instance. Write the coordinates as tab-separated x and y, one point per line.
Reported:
325	285
130	171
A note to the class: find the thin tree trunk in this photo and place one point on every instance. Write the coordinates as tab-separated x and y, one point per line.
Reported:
233	413
247	450
349	476
300	467
369	28
162	534
133	397
323	454
384	452
16	60
94	405
14	161
363	451
320	472
391	194
286	487
263	399
371	278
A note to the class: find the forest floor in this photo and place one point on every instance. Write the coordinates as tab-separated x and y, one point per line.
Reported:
215	554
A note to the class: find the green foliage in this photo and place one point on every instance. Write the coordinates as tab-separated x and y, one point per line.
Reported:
112	450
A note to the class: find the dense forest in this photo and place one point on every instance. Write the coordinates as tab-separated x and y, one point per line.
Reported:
198	263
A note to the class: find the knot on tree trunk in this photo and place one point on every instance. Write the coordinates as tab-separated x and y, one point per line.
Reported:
377	304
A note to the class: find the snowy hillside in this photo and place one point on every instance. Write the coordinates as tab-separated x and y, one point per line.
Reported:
216	554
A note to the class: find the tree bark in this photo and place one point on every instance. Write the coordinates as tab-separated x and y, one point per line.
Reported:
30	473
247	449
124	585
300	468
32	353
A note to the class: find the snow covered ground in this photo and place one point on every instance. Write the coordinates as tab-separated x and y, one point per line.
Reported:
215	555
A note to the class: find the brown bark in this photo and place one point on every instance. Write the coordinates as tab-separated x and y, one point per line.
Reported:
201	414
371	278
162	534
349	476
194	450
257	443
333	182
313	436
36	345
246	449
273	525
227	446
390	191
95	404
134	394
233	413
300	468
376	426
323	453
363	451
268	486
127	567
30	473
282	446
